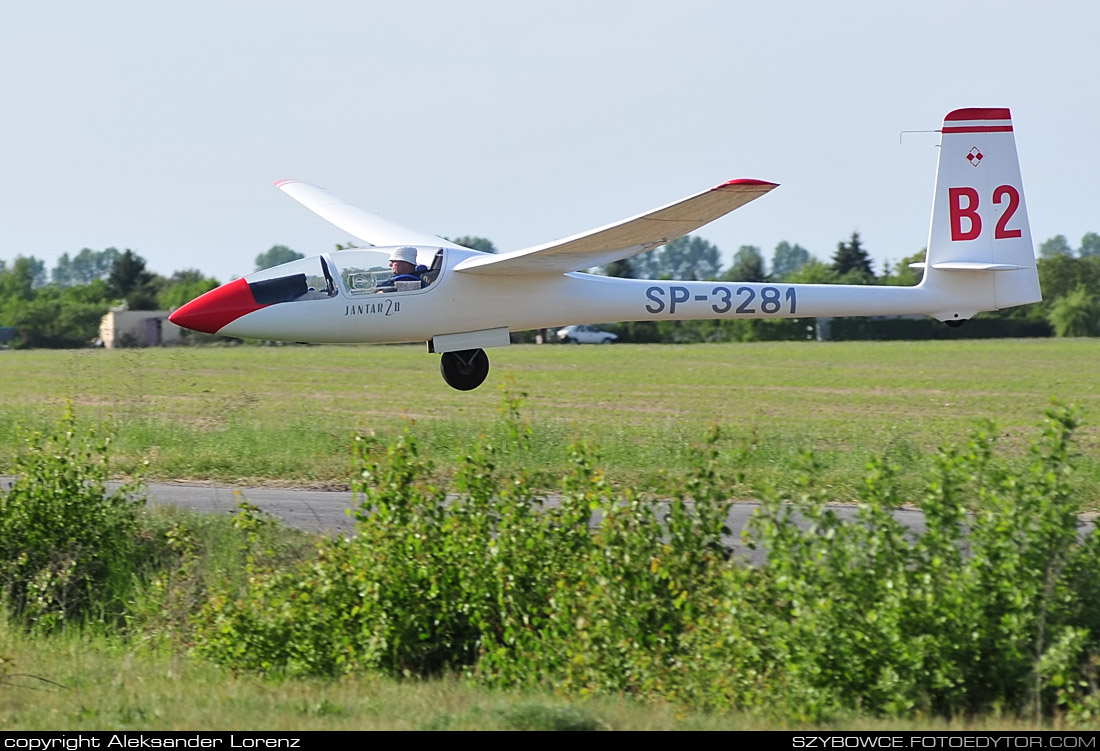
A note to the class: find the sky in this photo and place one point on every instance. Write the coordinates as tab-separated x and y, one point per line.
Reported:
162	126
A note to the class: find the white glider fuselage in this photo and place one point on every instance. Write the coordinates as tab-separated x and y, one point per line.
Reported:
980	258
456	302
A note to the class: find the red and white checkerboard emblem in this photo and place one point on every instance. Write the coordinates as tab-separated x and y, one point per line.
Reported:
975	156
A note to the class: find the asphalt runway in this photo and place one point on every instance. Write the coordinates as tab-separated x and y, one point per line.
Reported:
311	510
328	511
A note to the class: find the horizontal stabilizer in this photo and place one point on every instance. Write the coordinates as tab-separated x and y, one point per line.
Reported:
968	266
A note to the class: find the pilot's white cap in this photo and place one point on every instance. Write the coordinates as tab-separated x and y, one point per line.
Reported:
407	254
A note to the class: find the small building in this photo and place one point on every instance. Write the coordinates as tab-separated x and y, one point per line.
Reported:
138	328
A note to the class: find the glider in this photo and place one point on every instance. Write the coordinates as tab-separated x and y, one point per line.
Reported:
462	301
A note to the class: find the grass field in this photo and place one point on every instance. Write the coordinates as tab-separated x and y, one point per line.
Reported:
105	685
164	692
284	415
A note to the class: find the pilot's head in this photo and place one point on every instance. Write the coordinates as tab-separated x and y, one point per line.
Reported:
403	261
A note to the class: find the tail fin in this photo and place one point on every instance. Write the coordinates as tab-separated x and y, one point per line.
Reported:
979	245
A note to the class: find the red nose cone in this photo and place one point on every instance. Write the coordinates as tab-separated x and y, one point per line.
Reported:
217	308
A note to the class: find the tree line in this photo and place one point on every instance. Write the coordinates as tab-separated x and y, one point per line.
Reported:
63	308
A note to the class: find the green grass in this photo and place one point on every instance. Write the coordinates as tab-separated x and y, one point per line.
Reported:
284	415
78	682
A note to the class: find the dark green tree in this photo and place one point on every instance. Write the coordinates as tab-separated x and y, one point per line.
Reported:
1076	314
17	282
646	264
1060	274
685	258
788	259
903	275
62	274
748	265
182	287
276	255
813	272
1090	245
55	318
130	280
85	267
1055	246
852	262
30	270
38	271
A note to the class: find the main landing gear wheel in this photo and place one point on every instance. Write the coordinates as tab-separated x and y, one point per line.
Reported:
464	370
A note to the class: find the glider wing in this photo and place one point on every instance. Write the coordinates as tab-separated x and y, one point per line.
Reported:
622	239
360	223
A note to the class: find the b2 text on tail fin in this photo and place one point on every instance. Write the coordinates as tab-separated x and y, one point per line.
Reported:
979	244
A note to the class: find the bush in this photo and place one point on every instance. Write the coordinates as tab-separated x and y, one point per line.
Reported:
998	608
67	546
995	604
487	583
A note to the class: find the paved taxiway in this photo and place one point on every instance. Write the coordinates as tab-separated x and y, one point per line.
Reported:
327	511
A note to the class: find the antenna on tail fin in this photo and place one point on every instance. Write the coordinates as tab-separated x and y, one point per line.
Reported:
979	244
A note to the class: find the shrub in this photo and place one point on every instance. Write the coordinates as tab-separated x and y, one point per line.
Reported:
995	604
995	608
486	582
67	546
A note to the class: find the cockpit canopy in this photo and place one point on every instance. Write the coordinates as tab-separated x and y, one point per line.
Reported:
351	272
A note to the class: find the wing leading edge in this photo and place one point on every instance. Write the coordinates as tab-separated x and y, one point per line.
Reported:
358	222
621	239
593	248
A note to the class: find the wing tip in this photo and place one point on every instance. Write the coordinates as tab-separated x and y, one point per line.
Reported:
746	183
281	183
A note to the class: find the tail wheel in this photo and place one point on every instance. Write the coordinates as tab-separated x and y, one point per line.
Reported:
464	370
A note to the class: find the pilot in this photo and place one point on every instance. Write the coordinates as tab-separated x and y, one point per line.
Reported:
403	267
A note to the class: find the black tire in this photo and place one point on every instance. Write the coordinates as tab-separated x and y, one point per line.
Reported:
464	370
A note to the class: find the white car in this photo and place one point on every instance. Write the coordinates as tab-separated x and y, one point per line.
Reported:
585	334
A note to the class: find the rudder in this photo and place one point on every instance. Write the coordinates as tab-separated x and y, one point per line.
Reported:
980	238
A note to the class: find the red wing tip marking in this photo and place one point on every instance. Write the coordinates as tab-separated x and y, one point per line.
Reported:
979	113
746	182
281	183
